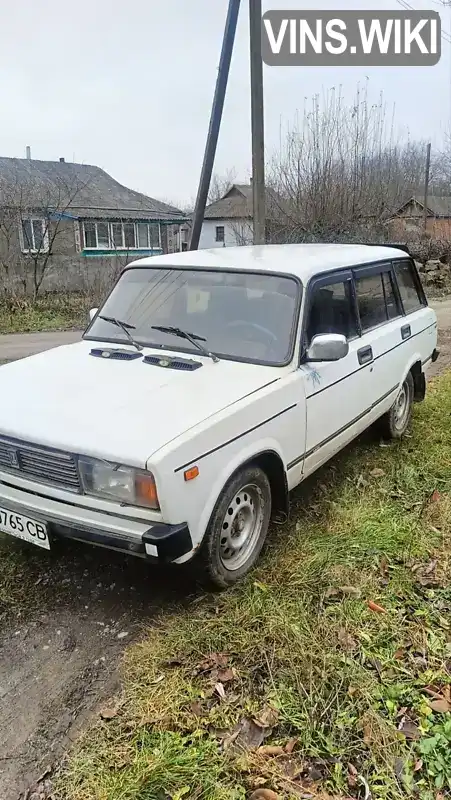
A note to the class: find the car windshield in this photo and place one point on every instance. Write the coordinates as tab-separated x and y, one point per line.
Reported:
240	315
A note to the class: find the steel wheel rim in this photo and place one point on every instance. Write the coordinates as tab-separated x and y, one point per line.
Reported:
402	406
241	527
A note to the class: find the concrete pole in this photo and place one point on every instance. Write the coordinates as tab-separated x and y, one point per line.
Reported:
257	116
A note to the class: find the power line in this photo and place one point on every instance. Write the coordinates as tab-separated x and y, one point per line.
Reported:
407	7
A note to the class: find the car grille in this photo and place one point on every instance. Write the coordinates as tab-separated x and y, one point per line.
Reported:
48	466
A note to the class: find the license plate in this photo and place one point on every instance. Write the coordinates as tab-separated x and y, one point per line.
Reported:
30	530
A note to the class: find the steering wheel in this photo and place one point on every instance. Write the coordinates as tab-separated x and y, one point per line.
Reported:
247	324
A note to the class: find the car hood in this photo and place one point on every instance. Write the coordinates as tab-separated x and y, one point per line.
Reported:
119	410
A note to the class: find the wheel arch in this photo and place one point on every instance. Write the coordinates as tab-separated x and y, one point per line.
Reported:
272	465
415	368
419	381
269	459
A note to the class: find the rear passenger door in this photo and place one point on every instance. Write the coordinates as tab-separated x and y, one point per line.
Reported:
382	324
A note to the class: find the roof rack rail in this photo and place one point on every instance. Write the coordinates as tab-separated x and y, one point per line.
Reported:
396	245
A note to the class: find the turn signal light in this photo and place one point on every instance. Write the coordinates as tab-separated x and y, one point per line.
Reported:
146	490
191	473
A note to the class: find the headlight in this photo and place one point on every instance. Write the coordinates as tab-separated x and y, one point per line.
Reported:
124	484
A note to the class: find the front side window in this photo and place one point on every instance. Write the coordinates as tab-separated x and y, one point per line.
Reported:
34	235
408	289
240	315
331	311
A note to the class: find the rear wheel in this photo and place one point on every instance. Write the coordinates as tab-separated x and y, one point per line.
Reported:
395	423
237	529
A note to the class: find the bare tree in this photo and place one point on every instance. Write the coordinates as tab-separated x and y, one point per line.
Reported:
243	231
341	171
220	184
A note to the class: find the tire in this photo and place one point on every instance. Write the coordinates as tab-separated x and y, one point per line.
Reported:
394	424
237	529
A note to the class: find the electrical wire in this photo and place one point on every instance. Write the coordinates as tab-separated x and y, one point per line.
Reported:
407	7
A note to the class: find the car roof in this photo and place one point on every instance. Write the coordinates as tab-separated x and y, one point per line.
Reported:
302	260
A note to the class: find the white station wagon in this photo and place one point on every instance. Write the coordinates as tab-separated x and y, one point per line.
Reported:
240	371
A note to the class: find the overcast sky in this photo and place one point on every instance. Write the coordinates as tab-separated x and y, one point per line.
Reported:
128	87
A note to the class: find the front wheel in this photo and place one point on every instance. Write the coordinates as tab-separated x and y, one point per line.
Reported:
395	423
237	529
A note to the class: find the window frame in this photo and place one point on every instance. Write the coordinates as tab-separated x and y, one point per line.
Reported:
318	282
179	346
423	302
220	228
112	247
45	235
342	274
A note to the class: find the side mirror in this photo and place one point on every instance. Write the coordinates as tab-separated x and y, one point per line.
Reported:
92	313
328	347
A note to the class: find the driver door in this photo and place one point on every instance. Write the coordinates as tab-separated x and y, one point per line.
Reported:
338	393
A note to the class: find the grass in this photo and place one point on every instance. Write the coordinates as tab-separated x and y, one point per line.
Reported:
341	640
50	312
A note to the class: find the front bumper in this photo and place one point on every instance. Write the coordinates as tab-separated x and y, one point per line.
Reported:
165	543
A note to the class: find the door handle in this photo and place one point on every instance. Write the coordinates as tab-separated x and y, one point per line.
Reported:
406	332
365	355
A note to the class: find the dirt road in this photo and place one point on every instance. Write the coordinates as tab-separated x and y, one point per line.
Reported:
19	345
59	654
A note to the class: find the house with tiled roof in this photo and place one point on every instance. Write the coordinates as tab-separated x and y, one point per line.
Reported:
67	208
229	220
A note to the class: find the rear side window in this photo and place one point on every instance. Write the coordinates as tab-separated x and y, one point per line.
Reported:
331	310
391	302
408	288
376	299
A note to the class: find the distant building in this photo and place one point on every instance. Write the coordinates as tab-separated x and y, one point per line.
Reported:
229	221
69	208
409	217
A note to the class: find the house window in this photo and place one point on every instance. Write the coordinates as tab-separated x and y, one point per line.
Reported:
34	236
129	236
121	235
103	235
142	230
117	235
220	233
90	232
154	234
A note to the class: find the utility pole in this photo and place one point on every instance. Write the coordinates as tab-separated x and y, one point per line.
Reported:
257	115
426	186
215	121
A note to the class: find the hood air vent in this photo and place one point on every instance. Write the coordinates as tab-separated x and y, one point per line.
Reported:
183	364
115	354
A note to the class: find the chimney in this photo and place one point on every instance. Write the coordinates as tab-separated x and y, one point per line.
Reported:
29	153
62	160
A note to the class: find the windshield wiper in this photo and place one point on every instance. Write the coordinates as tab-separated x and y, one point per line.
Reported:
192	337
125	327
